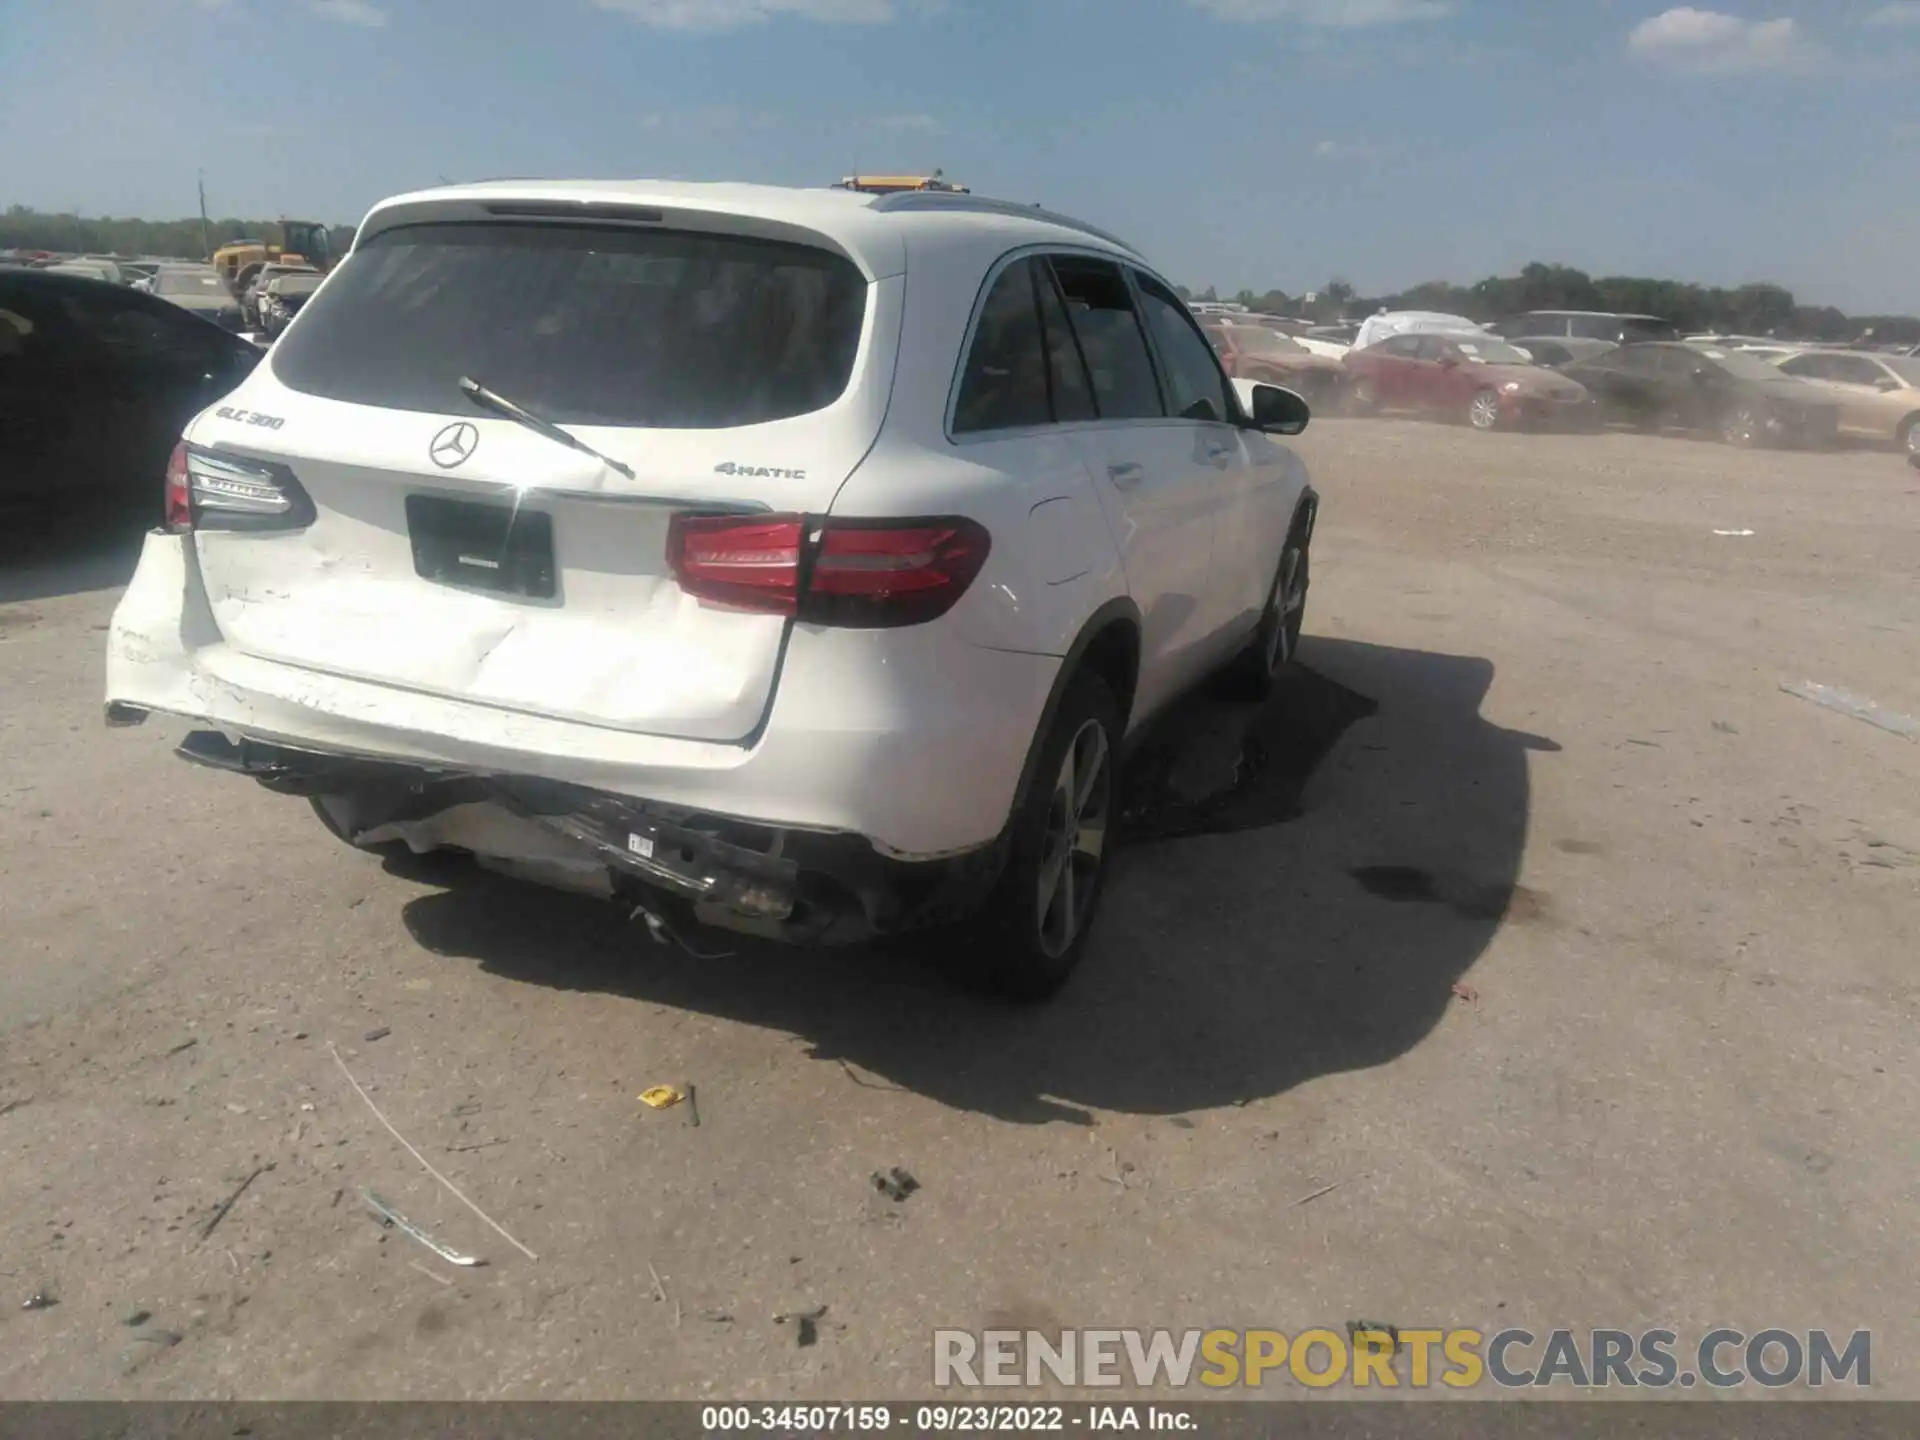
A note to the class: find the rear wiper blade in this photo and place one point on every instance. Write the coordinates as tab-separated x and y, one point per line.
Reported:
500	405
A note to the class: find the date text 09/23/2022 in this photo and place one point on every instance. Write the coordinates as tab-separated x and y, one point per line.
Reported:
943	1419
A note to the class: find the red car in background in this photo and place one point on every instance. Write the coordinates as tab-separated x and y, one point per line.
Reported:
1261	353
1477	378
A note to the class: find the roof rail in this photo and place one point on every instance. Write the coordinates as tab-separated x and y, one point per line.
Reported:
982	205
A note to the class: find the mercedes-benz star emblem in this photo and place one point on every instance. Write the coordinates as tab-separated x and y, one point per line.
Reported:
454	444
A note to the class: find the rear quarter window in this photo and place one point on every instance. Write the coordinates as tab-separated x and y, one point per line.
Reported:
584	325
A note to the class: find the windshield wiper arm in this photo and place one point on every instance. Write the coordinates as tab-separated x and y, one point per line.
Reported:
500	405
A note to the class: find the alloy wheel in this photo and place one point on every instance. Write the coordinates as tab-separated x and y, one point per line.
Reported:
1288	600
1074	847
1741	427
1484	412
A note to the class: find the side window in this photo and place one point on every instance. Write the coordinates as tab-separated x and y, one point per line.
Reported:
1403	347
1101	309
1808	367
1072	391
1592	327
1004	384
1681	363
136	335
1196	388
1853	370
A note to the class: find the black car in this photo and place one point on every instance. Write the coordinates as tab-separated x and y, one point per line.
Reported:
96	383
1742	400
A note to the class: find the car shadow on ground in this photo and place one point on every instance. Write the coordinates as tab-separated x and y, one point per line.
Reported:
1305	884
71	552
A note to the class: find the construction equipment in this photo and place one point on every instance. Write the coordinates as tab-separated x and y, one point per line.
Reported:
302	242
898	184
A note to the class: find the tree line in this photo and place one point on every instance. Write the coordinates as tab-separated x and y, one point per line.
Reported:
22	228
1756	309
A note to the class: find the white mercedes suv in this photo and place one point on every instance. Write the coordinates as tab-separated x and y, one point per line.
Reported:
788	561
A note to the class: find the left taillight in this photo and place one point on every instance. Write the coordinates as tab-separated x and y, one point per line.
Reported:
179	512
852	574
208	490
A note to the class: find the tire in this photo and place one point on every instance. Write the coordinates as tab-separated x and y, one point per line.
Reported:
1031	932
1741	426
1483	411
1362	398
1256	670
1908	437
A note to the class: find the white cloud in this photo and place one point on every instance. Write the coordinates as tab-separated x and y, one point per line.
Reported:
1900	13
1338	14
350	12
731	14
1707	42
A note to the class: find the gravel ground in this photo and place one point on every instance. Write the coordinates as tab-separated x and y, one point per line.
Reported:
1536	960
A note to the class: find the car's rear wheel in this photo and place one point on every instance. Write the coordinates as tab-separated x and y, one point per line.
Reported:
1741	425
1908	436
1259	667
1033	929
1483	411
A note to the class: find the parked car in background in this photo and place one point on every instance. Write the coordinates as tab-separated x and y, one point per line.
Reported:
1727	393
91	269
95	384
284	296
1477	378
702	553
257	287
1376	328
200	289
1260	353
1557	354
1614	327
1878	395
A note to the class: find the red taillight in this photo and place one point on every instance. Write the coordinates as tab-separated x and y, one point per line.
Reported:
870	574
179	501
860	574
750	561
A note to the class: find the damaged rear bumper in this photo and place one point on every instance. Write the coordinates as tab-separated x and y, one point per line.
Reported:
879	739
673	864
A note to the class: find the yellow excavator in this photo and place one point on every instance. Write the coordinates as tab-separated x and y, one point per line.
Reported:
302	242
899	184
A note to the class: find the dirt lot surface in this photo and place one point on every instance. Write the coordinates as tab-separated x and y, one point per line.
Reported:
1536	961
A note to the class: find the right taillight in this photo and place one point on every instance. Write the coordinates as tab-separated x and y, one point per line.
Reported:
210	490
856	574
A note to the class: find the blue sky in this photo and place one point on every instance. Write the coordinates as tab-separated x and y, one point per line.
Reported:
1238	142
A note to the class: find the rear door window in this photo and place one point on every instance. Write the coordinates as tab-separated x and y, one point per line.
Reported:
1196	388
584	325
1101	309
1066	367
1004	384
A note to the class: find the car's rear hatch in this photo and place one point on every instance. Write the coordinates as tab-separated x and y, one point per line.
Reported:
455	553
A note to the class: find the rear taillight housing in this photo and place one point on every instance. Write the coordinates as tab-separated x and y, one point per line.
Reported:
212	490
855	574
179	501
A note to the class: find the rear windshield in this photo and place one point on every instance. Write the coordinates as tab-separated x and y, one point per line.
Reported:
583	325
189	282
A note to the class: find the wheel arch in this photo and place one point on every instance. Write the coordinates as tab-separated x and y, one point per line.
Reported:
1109	645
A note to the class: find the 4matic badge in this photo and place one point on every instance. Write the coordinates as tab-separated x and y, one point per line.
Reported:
758	472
